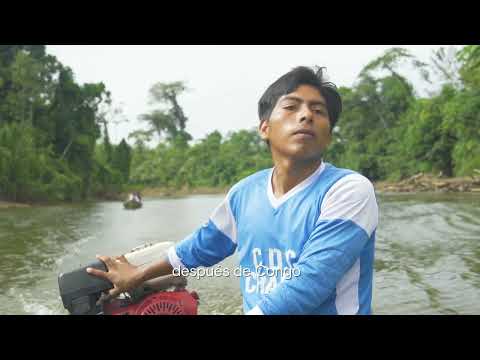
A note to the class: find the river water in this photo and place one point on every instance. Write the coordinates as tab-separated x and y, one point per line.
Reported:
427	251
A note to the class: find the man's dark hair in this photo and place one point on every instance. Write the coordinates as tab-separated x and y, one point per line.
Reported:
289	82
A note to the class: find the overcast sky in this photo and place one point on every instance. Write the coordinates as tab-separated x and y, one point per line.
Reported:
225	81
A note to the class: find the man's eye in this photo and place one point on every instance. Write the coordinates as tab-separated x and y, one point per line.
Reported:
320	112
289	107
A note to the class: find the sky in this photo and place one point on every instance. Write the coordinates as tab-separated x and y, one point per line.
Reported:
225	81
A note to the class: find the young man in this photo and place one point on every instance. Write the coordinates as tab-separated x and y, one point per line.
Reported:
304	230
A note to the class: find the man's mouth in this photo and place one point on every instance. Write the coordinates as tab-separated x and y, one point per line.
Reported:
304	133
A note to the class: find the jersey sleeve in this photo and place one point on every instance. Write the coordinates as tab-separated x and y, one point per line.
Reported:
209	244
348	217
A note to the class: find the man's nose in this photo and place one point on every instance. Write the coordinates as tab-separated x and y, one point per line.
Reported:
305	114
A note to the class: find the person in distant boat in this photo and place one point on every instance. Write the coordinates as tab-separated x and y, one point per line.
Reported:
137	196
304	230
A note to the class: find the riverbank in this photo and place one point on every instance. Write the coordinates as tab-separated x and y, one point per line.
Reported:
429	183
417	183
167	192
7	205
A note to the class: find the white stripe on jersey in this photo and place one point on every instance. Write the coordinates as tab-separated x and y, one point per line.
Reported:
174	260
346	300
255	311
223	219
351	198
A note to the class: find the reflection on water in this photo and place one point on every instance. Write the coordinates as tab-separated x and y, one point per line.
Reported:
427	251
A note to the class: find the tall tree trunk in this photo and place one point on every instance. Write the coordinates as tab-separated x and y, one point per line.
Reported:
66	149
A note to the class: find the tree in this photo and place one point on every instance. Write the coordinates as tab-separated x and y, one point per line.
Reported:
446	66
470	68
55	124
24	89
169	123
75	111
121	160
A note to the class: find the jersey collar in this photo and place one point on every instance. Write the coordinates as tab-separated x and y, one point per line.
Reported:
276	202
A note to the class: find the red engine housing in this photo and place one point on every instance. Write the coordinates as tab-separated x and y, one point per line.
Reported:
179	302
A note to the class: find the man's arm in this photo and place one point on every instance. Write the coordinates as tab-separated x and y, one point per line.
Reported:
211	243
349	216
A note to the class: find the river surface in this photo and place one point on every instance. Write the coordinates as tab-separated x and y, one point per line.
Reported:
427	251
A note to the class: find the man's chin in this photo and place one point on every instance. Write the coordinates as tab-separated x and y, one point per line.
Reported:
306	155
299	152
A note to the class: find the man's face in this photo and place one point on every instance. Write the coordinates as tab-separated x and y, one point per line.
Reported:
299	126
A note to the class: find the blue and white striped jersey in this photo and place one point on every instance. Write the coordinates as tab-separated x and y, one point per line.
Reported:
311	251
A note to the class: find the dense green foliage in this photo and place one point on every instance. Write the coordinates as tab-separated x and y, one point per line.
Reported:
212	162
54	141
389	132
49	127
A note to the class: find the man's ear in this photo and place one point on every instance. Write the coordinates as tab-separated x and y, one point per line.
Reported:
263	129
328	140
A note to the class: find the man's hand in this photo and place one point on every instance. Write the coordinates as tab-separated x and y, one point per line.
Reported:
123	275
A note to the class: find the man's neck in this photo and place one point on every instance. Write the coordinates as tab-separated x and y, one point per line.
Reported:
288	173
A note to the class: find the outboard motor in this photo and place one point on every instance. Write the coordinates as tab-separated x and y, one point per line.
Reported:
166	295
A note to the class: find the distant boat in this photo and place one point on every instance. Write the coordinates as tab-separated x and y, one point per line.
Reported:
132	204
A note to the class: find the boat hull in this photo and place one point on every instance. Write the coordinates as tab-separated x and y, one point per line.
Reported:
132	205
